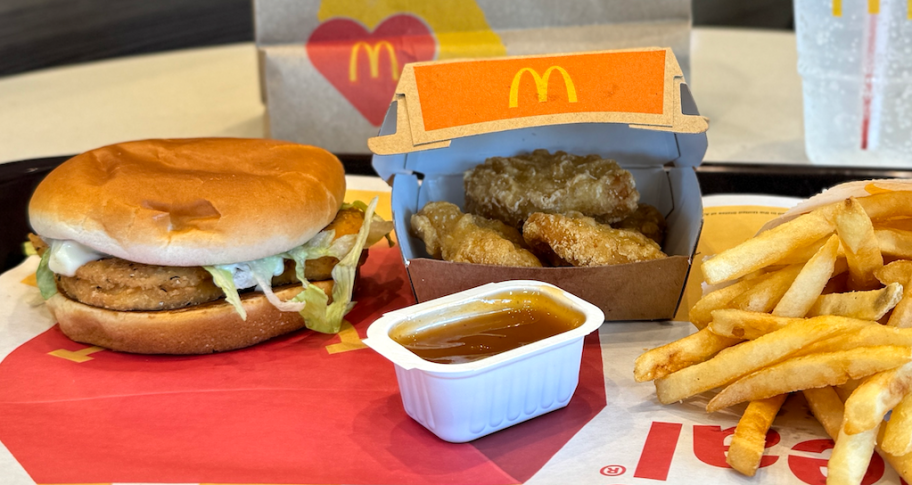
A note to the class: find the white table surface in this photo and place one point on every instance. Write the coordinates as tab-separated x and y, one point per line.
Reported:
745	81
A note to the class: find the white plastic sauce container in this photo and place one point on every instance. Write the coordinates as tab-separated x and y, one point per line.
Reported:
465	401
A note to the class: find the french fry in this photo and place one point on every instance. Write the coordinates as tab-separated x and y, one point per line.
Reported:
827	407
850	457
899	272
897	435
811	371
745	325
864	305
870	335
845	390
856	232
901	463
769	246
809	283
764	295
749	440
693	349
887	205
902	312
740	360
895	243
875	397
896	272
803	254
801	312
701	313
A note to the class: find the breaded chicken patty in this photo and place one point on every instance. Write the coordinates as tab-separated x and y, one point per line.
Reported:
118	284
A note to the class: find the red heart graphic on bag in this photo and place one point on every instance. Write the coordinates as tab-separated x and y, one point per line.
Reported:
365	66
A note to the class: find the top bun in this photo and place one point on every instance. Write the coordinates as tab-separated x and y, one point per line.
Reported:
191	202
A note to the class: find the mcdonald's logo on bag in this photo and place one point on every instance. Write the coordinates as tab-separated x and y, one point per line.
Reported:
541	84
373	58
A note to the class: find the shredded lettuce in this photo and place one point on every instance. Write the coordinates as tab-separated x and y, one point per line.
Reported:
29	249
224	279
263	270
312	302
380	228
45	277
328	318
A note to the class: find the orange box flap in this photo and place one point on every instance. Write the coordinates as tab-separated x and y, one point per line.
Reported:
442	100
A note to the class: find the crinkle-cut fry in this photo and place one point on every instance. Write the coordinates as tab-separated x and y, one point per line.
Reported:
693	349
742	359
811	371
856	232
701	313
875	397
864	305
850	457
897	435
827	407
749	440
894	242
887	205
764	296
734	323
809	283
769	246
870	335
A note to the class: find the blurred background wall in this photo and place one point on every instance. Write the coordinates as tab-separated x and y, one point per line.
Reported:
36	34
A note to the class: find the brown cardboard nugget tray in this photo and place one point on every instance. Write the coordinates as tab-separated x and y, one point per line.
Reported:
631	106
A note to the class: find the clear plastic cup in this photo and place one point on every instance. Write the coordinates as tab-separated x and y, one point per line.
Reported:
855	62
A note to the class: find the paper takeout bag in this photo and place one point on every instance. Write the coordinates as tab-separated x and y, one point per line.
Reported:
329	68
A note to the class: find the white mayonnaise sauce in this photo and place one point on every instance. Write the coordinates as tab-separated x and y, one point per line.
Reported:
243	277
67	256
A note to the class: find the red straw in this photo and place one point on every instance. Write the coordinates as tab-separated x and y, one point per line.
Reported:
868	93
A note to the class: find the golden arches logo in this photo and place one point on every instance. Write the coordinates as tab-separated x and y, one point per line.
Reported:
541	84
373	58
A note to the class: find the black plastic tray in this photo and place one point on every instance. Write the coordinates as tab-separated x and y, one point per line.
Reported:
19	179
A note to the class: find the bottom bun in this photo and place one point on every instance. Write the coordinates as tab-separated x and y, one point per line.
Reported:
200	329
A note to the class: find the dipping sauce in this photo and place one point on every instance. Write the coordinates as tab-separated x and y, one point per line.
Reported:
489	327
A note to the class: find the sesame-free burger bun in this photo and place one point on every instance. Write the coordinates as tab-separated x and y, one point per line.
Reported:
199	329
191	202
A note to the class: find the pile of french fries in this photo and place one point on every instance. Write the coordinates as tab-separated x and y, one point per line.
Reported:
820	304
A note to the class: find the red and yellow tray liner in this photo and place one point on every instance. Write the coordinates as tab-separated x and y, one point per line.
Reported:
441	100
304	408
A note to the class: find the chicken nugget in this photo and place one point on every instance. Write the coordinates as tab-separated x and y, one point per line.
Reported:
647	220
510	188
453	236
581	241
